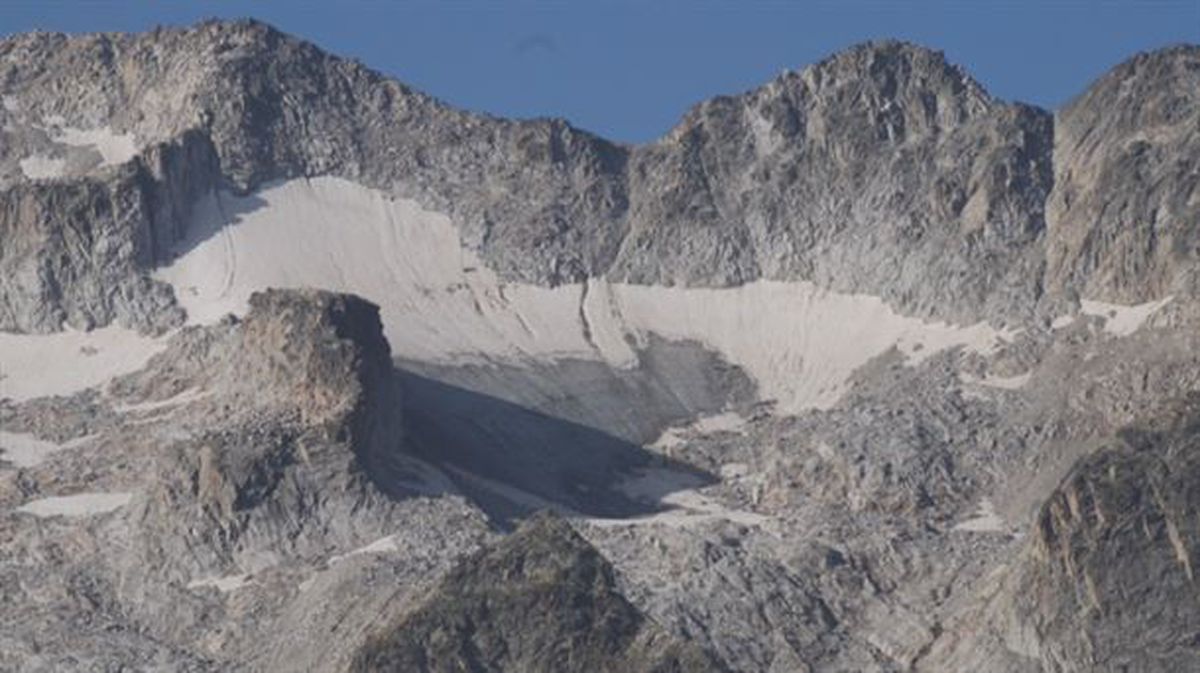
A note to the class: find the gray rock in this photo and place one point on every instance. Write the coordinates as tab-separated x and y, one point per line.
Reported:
541	600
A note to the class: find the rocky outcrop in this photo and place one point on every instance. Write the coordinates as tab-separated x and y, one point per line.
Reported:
251	453
1110	581
1122	218
75	252
882	169
541	600
1106	580
297	421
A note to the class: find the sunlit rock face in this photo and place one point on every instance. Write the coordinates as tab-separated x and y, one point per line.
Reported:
863	369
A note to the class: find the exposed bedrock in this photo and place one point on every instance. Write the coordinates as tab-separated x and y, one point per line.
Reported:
541	600
1106	580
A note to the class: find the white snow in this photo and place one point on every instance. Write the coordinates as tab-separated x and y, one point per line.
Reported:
114	148
1119	319
25	450
1003	382
35	365
1062	321
673	437
184	397
10	103
686	505
333	234
677	492
439	303
224	584
384	545
41	167
986	520
77	505
734	471
799	342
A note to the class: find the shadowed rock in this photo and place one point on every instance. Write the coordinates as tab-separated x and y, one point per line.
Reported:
541	600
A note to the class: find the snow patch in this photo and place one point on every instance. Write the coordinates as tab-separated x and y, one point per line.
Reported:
800	343
673	437
114	148
686	505
25	450
1062	321
36	365
439	303
1003	382
41	167
986	520
10	103
224	584
676	491
77	505
384	545
184	397
1119	319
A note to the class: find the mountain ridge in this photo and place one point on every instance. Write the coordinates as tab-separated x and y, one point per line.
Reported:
733	193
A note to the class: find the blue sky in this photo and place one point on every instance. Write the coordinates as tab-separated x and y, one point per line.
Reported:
628	70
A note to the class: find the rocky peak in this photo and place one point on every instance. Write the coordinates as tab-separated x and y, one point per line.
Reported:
543	599
317	353
897	89
1127	168
292	409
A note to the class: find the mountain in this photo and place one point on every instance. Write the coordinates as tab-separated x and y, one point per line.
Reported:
863	369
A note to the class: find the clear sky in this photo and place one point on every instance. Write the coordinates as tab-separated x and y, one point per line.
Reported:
628	70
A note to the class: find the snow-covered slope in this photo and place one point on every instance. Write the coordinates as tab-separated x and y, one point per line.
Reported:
35	365
439	304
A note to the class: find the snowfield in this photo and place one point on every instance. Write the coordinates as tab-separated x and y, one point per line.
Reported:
77	505
1120	320
36	365
24	450
114	148
440	304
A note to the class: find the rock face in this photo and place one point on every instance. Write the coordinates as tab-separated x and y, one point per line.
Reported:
883	169
258	448
1105	581
1109	582
542	600
298	409
863	369
1123	214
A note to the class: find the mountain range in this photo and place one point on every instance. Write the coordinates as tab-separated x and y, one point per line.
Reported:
864	369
